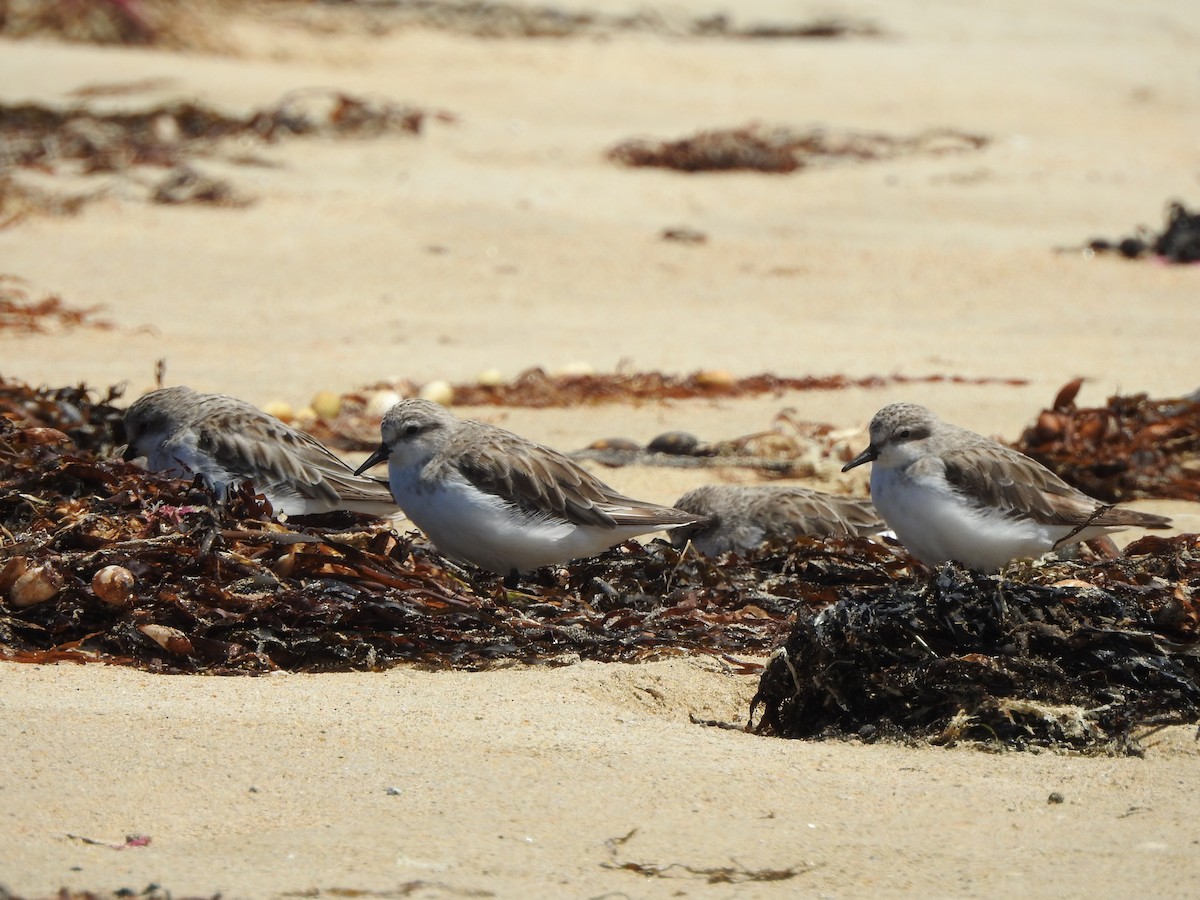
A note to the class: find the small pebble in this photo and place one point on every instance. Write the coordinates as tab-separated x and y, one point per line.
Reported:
380	402
37	585
676	443
715	378
574	369
114	585
438	391
326	404
1055	797
281	410
618	443
170	639
490	378
11	571
306	418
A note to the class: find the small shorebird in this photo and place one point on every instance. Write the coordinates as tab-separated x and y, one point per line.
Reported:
950	493
742	517
226	441
489	497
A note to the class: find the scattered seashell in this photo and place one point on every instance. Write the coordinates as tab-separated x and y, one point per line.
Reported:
715	378
170	639
326	404
281	410
574	369
114	585
37	585
438	391
618	443
380	402
11	571
306	418
676	443
490	378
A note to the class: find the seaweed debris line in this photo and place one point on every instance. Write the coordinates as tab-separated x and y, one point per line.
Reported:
101	561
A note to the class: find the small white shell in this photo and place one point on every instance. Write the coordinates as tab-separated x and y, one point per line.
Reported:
281	410
37	585
490	377
170	639
438	391
715	378
326	404
114	585
11	571
571	369
381	401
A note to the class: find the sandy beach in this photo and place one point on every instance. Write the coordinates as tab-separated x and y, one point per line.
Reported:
502	237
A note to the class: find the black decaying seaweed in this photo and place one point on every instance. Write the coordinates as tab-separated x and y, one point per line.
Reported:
1178	242
1074	656
102	561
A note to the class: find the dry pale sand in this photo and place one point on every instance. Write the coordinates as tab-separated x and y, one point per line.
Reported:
505	240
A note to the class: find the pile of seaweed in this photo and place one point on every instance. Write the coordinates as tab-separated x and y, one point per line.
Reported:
1132	447
1074	657
100	560
783	150
1178	242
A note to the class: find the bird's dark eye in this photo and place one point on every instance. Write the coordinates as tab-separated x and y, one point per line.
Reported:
410	430
904	434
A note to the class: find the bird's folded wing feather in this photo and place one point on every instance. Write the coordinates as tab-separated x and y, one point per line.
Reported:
1011	481
544	482
817	513
286	461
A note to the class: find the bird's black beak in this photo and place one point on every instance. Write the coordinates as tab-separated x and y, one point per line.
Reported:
868	455
380	454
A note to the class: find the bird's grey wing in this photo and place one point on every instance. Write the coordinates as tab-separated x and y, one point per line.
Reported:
537	480
1002	478
280	459
544	482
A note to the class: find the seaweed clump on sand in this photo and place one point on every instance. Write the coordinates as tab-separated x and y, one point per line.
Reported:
1178	242
783	150
102	561
1132	447
22	315
1076	657
79	139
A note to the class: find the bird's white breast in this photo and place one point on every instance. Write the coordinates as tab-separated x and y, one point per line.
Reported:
480	528
936	523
